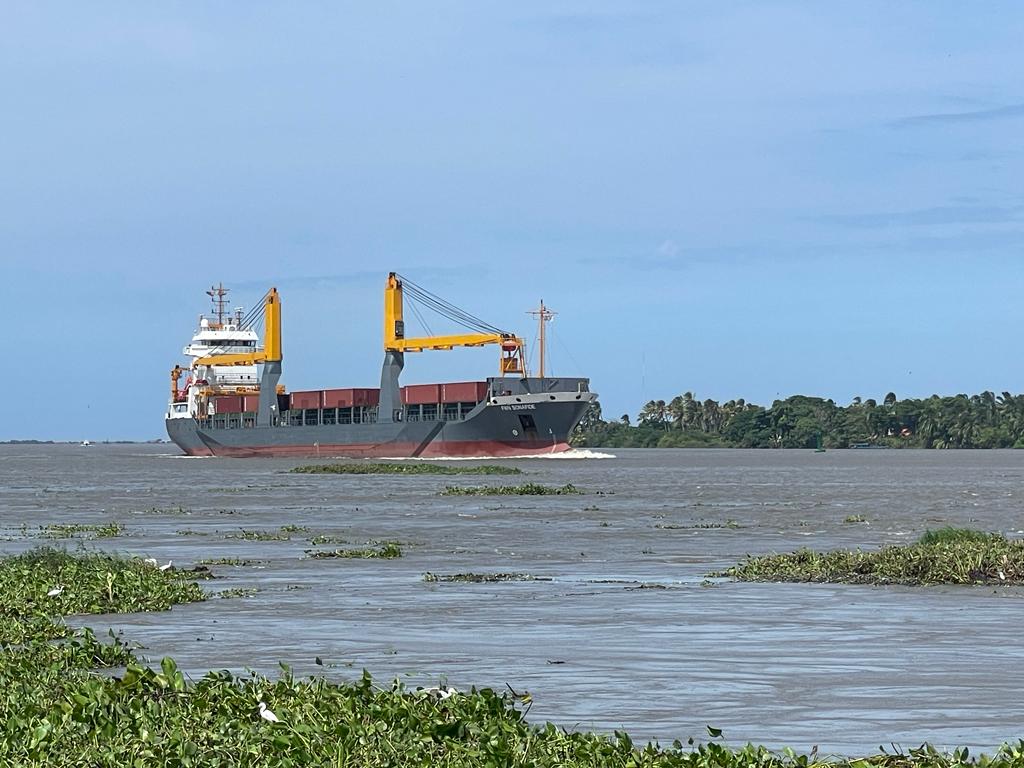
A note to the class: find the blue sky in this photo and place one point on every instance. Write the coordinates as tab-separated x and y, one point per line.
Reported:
748	199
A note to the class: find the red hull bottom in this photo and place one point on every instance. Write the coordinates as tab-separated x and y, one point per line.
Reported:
482	449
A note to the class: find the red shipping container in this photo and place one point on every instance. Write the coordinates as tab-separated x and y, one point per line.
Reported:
252	403
338	398
227	404
348	398
305	400
464	392
421	394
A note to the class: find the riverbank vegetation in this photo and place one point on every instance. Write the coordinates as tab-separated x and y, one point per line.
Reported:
985	420
56	711
403	468
945	556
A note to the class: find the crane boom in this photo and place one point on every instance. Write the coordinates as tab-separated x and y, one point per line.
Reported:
395	341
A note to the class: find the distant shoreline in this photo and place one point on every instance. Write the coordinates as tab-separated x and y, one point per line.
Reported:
984	420
157	441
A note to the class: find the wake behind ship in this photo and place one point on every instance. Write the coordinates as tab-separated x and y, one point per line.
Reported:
232	403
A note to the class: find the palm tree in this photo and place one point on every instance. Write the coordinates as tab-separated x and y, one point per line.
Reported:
676	412
712	416
691	410
653	413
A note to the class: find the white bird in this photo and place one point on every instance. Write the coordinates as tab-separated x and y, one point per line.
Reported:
266	714
166	565
151	561
55	591
439	693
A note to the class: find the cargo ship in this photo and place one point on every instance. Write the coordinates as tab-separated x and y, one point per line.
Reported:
232	403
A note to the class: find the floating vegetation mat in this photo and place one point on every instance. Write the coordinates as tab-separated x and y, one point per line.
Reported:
45	583
527	489
732	524
55	711
945	556
252	535
387	551
482	578
72	530
402	468
324	538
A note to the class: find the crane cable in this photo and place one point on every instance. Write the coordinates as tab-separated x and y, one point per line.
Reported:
447	309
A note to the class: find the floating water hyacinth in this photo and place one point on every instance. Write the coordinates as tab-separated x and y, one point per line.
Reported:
403	468
945	556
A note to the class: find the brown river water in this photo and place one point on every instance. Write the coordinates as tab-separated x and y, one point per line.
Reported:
848	668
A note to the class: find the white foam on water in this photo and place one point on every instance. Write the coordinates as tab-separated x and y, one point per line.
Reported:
575	453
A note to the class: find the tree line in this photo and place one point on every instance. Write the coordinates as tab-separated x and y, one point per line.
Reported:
984	420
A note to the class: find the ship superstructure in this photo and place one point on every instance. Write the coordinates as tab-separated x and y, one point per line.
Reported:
232	404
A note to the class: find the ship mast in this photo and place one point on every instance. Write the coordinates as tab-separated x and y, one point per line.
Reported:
217	294
544	316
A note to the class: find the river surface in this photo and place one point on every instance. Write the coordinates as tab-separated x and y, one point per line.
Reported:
621	629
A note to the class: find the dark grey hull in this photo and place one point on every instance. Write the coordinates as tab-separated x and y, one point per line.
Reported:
507	426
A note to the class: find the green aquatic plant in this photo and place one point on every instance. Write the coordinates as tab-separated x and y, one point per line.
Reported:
951	535
293	528
527	489
234	561
71	530
253	535
385	550
327	539
164	511
732	524
404	468
482	578
855	519
961	557
46	582
237	592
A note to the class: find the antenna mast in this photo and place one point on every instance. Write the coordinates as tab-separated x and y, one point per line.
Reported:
217	294
543	315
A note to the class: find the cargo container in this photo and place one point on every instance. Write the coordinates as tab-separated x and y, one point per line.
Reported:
251	403
464	392
228	404
421	394
348	398
304	400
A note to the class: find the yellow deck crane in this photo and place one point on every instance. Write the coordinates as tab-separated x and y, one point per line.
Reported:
512	359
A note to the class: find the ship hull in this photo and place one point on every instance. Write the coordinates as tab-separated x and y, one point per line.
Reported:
491	430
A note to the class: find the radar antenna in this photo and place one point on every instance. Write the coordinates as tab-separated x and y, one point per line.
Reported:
218	294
